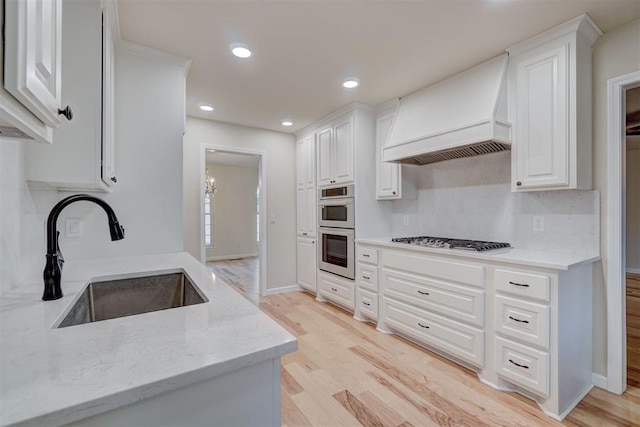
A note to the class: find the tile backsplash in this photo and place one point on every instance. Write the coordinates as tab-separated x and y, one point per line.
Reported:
471	198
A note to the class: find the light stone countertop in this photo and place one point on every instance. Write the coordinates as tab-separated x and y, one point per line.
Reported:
55	376
554	260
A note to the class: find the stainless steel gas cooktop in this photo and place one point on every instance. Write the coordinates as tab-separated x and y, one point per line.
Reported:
444	242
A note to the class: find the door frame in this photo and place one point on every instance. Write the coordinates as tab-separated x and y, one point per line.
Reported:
616	225
262	184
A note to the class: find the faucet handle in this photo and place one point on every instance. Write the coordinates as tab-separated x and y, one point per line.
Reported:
58	252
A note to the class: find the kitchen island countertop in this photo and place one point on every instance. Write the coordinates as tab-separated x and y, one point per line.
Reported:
52	376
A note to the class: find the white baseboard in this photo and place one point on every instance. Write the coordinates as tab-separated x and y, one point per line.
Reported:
633	270
236	256
282	290
599	381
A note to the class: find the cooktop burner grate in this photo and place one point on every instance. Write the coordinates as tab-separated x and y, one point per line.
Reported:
444	242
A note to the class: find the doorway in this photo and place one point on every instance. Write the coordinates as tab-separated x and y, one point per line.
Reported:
632	234
233	235
616	268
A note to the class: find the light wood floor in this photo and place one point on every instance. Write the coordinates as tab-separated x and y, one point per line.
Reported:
345	373
242	274
633	330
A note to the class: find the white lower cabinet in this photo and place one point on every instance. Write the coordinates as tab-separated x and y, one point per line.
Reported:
521	328
307	264
336	289
366	304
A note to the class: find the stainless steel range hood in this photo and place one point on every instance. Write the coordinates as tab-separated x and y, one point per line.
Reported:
464	115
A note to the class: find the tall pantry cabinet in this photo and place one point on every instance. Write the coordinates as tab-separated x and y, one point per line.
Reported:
306	211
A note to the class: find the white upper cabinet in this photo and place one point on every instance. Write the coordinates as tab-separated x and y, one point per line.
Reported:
550	108
393	181
32	56
335	153
82	154
306	186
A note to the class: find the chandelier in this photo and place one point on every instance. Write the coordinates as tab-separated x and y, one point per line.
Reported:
209	184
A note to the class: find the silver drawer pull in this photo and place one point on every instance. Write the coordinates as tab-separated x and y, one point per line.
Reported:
365	303
423	326
518	320
524	285
423	293
334	289
519	365
366	255
366	277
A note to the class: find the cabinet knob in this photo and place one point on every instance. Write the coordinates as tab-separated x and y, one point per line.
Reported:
394	192
67	112
518	183
114	179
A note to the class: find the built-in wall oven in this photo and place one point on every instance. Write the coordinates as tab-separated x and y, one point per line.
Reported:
336	207
337	251
336	220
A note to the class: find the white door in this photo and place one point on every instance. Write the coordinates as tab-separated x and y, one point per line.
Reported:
325	140
542	133
307	263
343	153
32	56
310	153
388	173
301	164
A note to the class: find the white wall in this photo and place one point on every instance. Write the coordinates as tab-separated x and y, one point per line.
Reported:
148	161
615	54
234	212
633	211
280	151
23	212
147	199
471	198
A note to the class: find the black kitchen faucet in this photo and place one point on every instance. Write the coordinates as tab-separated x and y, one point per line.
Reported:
53	268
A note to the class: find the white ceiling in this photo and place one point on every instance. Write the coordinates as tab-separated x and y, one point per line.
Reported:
303	50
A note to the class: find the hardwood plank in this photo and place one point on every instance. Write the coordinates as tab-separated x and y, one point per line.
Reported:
387	415
289	384
359	410
291	415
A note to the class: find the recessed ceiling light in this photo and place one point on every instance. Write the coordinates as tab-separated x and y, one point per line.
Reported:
240	50
206	107
287	123
350	83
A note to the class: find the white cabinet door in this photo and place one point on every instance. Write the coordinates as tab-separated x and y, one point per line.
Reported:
301	164
83	146
388	174
32	56
307	264
542	118
306	211
325	164
108	172
343	152
310	159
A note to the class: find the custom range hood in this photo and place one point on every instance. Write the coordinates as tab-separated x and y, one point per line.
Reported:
462	116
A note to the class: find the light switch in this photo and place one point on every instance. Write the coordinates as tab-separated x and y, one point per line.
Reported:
273	219
73	228
538	223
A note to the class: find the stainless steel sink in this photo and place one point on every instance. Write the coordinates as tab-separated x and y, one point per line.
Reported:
127	297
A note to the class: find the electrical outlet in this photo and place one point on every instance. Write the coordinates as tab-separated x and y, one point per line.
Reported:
73	227
538	223
405	220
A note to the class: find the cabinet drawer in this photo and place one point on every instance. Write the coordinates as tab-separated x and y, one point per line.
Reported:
366	254
459	302
457	339
367	303
523	284
367	276
523	366
422	264
337	291
523	320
